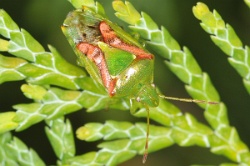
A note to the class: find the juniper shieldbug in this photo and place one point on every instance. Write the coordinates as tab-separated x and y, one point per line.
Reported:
114	59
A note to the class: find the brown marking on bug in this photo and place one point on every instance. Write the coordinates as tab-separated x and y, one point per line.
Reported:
110	37
95	54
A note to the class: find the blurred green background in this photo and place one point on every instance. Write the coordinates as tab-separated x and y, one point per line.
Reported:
43	18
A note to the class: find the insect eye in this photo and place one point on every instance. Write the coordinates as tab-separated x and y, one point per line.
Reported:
84	35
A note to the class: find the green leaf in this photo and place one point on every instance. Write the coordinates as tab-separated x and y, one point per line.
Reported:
95	6
121	148
4	45
41	67
247	85
247	2
187	131
55	102
6	123
33	91
112	130
224	36
23	45
6	155
61	137
228	143
90	132
127	12
113	153
217	115
8	69
27	115
7	25
24	156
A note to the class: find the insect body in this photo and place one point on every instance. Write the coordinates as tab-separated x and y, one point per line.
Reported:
112	57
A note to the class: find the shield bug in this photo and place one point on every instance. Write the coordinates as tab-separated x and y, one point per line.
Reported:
114	59
111	56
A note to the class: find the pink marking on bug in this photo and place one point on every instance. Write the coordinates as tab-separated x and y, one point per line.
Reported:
110	37
95	54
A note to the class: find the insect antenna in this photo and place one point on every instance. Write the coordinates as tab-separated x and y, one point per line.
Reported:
188	100
145	155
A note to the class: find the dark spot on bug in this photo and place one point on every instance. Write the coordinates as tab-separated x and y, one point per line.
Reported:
92	27
84	35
